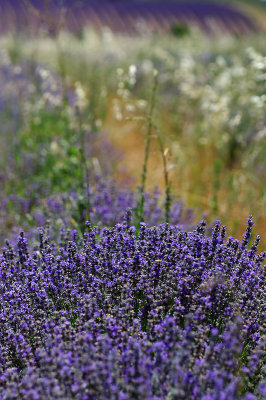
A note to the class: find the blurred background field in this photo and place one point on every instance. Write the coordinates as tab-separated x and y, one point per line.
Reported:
76	93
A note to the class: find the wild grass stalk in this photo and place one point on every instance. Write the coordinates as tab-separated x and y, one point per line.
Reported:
84	204
168	198
216	185
140	207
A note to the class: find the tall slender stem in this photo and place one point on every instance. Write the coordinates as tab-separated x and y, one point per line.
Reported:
83	162
147	149
167	204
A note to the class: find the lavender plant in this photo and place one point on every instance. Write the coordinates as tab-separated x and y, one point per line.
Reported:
162	315
107	204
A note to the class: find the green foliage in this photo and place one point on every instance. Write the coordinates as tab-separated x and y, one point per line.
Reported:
180	30
51	144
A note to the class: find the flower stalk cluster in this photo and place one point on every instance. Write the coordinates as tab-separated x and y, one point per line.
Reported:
164	314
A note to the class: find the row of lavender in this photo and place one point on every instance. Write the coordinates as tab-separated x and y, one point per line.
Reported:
130	17
161	315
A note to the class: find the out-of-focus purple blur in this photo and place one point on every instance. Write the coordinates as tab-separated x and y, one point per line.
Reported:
131	17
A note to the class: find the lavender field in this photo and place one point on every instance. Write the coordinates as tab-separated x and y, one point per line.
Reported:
132	201
131	17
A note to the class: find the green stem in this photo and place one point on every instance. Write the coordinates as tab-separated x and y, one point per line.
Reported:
140	208
83	163
167	204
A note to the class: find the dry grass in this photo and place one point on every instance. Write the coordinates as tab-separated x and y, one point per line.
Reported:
191	173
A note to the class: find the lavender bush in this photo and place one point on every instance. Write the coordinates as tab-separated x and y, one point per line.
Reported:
159	315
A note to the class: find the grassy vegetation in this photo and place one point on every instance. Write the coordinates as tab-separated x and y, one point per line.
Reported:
209	110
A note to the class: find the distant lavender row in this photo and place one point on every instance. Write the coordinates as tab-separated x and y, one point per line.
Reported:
118	316
130	17
106	205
